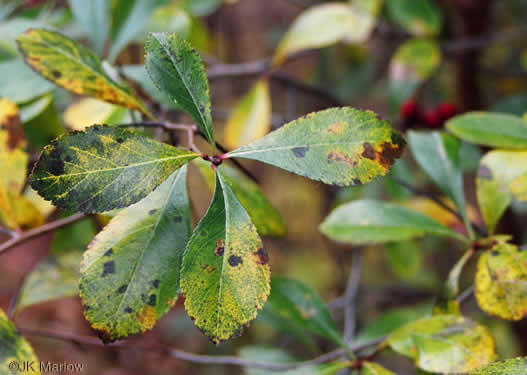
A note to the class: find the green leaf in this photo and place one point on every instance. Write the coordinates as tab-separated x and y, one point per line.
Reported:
445	344
499	173
370	222
501	282
439	155
341	146
86	171
14	348
55	277
300	308
516	366
251	118
130	273
32	109
369	368
318	26
93	18
490	129
420	18
201	8
265	217
21	90
139	74
406	259
177	69
225	275
73	67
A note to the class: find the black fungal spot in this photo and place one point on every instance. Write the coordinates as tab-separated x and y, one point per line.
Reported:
484	172
155	283
120	140
128	310
108	268
356	181
152	300
68	158
108	253
57	74
369	152
300	152
178	219
151	212
235	260
263	257
56	166
494	253
122	289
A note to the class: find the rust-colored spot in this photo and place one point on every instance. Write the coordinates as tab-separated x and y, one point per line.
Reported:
263	257
389	152
220	247
369	152
147	317
337	128
342	157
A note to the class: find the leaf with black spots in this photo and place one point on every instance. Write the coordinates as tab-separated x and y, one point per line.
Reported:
224	289
340	146
130	273
104	168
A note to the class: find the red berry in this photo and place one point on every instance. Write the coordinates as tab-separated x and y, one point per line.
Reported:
446	111
409	110
432	119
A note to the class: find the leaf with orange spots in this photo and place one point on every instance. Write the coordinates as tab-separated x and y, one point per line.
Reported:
445	344
501	282
130	273
74	67
225	275
515	366
339	146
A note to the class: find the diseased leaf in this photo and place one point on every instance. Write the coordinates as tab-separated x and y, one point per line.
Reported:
318	26
89	111
73	67
177	69
421	18
301	308
490	129
21	90
14	347
130	273
445	344
516	366
369	368
499	172
340	146
86	171
264	216
501	282
251	118
55	277
225	275
370	221
93	18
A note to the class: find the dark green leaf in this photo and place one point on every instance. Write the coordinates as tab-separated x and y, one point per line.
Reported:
93	17
130	273
341	146
177	69
421	18
86	171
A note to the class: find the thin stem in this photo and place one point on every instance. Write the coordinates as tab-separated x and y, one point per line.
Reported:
26	236
9	232
352	289
465	296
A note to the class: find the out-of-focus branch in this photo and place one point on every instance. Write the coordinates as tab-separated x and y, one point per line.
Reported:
350	296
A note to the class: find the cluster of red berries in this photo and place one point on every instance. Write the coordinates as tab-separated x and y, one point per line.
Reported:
413	115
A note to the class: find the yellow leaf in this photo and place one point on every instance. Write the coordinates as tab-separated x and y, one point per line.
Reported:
87	112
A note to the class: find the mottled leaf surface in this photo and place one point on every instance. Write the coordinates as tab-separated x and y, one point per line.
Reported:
104	168
340	146
490	129
370	221
93	18
251	118
73	67
130	273
515	366
55	277
370	368
225	275
264	216
445	344
421	18
501	282
499	172
300	306
14	347
177	69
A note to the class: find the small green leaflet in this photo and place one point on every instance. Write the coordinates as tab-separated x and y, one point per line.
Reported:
516	366
445	344
177	69
421	18
340	146
73	67
369	221
87	171
301	308
130	273
225	275
14	347
369	368
490	129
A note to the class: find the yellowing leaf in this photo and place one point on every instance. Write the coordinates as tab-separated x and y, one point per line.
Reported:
73	67
251	119
365	13
225	275
14	348
445	344
89	111
501	282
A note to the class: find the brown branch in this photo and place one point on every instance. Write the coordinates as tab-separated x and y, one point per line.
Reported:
350	296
